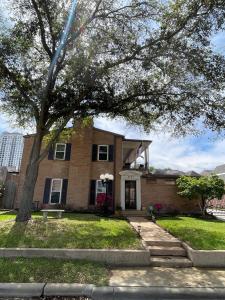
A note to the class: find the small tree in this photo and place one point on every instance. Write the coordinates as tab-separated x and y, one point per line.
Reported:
204	188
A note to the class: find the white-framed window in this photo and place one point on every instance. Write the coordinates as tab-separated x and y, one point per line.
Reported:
60	151
56	191
100	188
103	152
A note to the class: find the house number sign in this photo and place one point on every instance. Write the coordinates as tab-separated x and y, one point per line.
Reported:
131	177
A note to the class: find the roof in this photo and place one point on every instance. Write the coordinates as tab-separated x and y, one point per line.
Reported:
137	140
176	173
102	130
168	172
219	169
165	176
107	131
206	172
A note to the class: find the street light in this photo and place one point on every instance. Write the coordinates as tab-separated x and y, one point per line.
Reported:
106	178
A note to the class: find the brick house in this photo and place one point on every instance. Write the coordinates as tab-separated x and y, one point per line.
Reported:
70	175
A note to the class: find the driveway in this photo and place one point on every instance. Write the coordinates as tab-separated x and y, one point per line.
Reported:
219	214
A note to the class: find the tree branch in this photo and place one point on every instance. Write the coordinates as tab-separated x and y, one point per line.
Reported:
42	29
87	22
14	78
163	37
48	15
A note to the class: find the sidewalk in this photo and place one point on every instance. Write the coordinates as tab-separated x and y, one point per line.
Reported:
168	277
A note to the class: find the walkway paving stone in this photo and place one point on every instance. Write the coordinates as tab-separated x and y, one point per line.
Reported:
165	249
151	231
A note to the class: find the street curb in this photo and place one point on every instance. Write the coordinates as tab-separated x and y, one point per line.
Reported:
147	293
66	289
21	289
27	290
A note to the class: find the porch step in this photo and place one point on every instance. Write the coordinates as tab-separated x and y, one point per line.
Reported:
163	243
167	251
171	262
134	213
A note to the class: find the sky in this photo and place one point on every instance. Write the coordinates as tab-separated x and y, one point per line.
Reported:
185	153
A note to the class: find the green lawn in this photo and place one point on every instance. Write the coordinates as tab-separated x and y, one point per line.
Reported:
72	231
198	233
6	216
52	270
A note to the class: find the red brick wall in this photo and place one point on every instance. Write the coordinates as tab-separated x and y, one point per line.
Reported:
165	192
79	171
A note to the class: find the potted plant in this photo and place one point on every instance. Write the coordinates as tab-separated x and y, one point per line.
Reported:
118	211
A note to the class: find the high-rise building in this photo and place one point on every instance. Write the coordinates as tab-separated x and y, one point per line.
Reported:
11	150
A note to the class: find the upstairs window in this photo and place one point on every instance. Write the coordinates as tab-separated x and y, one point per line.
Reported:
103	152
56	190
60	151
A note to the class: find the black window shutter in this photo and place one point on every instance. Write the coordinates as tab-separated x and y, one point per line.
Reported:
94	152
111	152
47	190
51	153
92	192
68	151
110	188
64	191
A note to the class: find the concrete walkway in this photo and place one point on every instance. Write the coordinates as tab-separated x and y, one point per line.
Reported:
167	277
165	249
150	231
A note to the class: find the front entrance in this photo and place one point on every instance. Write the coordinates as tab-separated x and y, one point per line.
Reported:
130	194
130	189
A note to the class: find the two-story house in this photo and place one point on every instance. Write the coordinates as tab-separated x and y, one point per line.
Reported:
70	175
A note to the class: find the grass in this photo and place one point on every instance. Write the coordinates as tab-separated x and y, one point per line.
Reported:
198	233
72	231
6	216
52	271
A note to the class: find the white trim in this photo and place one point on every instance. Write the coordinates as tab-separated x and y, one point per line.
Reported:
96	188
64	152
107	153
50	195
131	175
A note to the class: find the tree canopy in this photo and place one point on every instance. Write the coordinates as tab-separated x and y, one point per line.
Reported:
204	188
146	61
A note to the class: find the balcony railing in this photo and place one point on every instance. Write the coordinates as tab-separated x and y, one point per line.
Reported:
140	167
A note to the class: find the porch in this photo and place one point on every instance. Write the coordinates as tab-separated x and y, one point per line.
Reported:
136	154
135	164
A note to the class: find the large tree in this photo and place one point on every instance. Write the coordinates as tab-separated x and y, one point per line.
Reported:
145	61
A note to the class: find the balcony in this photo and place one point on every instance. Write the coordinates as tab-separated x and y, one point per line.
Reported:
136	155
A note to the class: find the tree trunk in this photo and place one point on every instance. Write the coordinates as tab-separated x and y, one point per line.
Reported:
26	197
203	206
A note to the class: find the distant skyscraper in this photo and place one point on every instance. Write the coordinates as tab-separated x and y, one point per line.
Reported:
11	150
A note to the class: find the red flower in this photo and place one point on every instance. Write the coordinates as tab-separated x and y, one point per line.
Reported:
158	206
